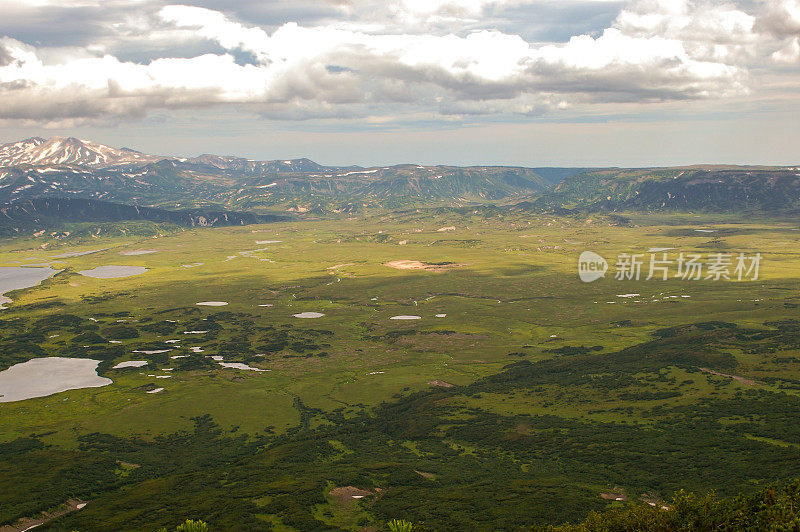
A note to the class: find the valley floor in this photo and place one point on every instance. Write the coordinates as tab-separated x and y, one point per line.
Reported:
451	370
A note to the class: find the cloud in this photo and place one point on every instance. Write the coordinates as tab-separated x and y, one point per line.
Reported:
216	26
5	55
481	65
414	11
372	63
781	17
789	54
459	11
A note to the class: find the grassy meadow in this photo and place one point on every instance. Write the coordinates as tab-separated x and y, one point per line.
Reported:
530	395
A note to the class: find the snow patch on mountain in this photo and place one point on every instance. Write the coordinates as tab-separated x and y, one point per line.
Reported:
68	151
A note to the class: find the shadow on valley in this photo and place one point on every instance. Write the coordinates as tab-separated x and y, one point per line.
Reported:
447	458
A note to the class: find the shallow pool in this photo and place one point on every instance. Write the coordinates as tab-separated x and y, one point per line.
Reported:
40	377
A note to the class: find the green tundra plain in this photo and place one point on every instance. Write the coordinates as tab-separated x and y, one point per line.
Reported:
521	397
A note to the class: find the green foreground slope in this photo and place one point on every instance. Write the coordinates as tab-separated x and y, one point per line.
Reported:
774	508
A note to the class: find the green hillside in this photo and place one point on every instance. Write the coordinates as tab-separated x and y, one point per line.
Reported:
701	189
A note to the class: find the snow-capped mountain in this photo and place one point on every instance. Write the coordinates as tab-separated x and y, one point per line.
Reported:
69	151
66	167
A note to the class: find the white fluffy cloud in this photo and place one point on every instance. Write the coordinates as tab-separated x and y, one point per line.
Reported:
655	50
781	17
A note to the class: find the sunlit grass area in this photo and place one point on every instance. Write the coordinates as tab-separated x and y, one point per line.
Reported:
488	375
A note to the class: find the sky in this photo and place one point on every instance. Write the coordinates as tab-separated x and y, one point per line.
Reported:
518	82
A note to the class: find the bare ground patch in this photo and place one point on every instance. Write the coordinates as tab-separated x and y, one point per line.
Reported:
616	494
28	523
743	380
443	384
350	494
419	265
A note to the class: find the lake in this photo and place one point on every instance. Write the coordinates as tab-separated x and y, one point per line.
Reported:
18	277
113	271
40	377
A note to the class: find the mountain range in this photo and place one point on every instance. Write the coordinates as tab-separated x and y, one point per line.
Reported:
66	167
69	167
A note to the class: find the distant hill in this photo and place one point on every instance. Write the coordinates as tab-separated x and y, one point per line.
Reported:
704	188
69	167
49	212
555	175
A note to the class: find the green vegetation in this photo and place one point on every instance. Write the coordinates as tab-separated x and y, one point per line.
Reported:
717	189
400	525
192	526
535	400
773	508
85	219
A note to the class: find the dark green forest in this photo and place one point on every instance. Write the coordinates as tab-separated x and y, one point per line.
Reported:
430	458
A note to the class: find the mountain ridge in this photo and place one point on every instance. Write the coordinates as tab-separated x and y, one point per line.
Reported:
72	151
70	167
700	188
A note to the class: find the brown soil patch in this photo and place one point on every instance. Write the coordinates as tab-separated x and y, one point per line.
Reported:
419	265
443	384
614	496
617	494
27	523
348	494
746	382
